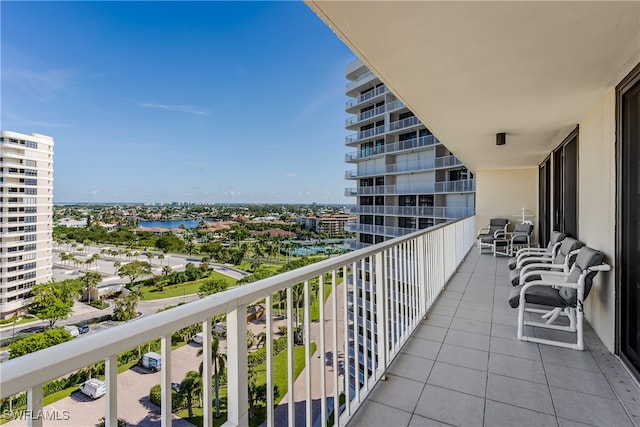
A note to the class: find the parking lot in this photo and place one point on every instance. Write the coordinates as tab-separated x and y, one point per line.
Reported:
133	397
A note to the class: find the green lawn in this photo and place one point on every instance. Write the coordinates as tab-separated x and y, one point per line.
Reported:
182	289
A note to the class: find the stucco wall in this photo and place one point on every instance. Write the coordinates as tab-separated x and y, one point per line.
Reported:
503	194
596	212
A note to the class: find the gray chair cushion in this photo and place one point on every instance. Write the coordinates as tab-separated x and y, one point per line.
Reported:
586	258
555	237
569	244
514	277
544	295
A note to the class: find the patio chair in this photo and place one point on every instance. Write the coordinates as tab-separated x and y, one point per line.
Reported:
561	262
497	228
551	250
565	293
520	237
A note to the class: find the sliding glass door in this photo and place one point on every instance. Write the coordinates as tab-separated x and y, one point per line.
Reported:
629	220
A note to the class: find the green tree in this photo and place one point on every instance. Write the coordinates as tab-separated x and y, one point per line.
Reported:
190	387
167	270
91	281
53	301
170	243
134	269
39	341
125	307
212	286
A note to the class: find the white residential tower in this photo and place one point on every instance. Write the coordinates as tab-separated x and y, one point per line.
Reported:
26	217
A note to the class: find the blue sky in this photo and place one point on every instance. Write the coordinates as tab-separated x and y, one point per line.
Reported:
192	101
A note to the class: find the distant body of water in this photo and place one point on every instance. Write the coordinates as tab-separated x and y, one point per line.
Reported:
188	223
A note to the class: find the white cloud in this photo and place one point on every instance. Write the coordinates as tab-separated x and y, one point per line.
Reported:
291	174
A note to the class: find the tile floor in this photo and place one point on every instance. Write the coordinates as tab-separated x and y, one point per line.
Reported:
464	366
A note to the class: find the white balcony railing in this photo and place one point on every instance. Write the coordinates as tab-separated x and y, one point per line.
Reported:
391	106
450	212
408	273
366	96
409	144
461	186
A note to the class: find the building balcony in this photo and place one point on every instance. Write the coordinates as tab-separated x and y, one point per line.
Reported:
371	95
449	357
404	124
353	87
369	133
370	114
461	186
448	212
409	144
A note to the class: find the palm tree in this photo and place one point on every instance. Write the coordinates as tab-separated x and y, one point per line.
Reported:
166	270
219	361
161	258
261	339
191	385
117	265
91	280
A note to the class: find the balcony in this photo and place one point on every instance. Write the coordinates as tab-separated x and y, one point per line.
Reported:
365	97
449	212
391	106
464	366
450	356
404	123
369	133
461	186
409	144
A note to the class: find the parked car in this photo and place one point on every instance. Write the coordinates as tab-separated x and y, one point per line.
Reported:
198	338
73	330
83	328
94	388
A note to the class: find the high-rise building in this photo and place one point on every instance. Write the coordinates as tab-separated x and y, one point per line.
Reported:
406	178
26	217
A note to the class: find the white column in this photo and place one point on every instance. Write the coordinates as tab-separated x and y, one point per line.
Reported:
269	366
237	380
165	368
34	406
207	374
111	399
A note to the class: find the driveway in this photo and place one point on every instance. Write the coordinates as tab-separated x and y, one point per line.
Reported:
133	397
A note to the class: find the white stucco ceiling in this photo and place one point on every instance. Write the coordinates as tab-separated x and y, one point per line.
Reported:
469	70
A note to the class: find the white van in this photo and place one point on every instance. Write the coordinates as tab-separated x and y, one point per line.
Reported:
93	388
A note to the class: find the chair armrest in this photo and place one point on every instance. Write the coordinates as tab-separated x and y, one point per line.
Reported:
521	254
550	283
546	273
540	267
484	230
532	260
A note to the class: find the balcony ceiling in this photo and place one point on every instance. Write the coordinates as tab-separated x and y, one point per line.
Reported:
469	70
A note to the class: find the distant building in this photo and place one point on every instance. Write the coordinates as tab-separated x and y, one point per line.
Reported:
26	217
332	225
72	223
